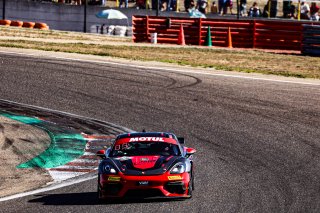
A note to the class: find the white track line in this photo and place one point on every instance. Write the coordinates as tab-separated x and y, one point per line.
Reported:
59	176
79	160
73	168
145	67
49	188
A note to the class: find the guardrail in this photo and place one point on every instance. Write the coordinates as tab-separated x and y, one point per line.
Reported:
311	40
265	34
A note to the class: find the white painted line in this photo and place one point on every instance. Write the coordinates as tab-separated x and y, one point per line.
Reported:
74	168
89	153
49	188
169	69
60	176
79	160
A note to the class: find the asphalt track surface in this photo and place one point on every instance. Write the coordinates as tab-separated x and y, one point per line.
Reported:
258	142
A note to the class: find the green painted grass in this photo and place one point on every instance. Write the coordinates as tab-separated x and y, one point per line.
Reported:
64	146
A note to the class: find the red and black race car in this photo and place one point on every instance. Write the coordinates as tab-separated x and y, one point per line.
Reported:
146	164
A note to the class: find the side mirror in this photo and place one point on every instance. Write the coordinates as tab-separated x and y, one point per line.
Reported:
104	153
101	154
181	140
189	151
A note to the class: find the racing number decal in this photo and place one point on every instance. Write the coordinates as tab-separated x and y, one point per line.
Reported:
124	146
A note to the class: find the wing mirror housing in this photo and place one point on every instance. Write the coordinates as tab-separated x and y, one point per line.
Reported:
189	151
103	153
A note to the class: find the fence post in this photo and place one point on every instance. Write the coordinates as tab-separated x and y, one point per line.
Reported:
299	10
269	8
3	9
301	36
177	8
254	34
200	26
133	27
147	27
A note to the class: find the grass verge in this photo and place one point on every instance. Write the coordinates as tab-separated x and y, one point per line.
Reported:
248	60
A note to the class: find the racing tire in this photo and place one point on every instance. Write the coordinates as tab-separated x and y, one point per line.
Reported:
192	182
190	186
192	178
100	200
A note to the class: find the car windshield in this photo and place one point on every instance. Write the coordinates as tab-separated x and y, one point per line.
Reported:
145	148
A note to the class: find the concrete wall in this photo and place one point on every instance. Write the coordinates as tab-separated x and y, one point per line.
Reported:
67	17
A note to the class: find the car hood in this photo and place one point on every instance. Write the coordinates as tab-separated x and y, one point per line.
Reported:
144	165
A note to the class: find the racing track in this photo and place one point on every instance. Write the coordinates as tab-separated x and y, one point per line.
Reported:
258	141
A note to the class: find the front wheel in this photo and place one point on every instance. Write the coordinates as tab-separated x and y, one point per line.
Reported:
190	186
99	193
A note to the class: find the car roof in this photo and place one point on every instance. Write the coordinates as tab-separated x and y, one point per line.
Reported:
147	134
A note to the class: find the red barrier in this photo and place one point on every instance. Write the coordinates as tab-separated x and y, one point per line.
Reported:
5	22
28	24
16	23
267	34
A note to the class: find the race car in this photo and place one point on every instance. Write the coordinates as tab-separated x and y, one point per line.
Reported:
146	165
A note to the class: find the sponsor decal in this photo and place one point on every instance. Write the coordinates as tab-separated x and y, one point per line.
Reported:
176	177
144	162
157	139
125	158
113	178
143	183
144	159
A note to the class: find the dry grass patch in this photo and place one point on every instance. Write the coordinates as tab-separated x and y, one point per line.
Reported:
222	59
52	34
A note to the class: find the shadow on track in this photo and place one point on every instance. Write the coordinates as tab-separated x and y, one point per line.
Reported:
88	198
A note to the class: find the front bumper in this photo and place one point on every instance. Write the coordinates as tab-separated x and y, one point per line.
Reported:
166	185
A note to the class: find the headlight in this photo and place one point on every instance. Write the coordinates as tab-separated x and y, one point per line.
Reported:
179	168
108	169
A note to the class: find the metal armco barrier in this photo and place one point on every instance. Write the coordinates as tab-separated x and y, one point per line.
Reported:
264	34
311	40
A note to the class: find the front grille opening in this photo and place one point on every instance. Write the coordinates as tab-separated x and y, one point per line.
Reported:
112	188
175	187
143	193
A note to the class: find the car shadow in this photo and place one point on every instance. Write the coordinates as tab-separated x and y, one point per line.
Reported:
88	198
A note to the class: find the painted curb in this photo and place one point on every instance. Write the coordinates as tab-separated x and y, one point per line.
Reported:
80	169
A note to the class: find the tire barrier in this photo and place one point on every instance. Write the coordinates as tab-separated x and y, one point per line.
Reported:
31	25
311	40
41	26
263	34
28	25
120	31
129	32
111	30
16	23
5	22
